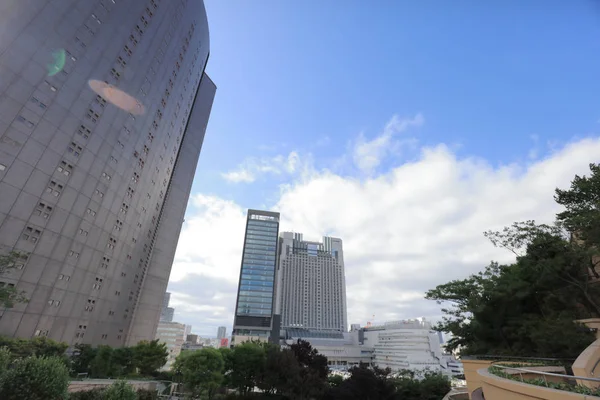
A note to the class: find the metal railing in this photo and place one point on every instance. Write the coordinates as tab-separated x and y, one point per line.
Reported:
544	374
507	358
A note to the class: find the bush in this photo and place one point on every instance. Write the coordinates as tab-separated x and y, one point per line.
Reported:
120	390
35	378
95	394
147	394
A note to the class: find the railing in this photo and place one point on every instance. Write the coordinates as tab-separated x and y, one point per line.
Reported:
544	374
507	358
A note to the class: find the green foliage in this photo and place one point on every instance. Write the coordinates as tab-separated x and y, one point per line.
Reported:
543	382
102	363
35	378
147	394
94	394
201	371
9	295
5	359
150	356
335	380
120	390
82	358
525	308
365	384
39	346
247	363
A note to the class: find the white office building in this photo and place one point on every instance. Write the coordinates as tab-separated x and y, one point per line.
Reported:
173	335
311	289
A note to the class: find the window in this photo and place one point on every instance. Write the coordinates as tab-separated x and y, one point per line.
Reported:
83	232
135	177
127	50
96	19
111	313
91	212
124	208
118	225
106	176
111	243
83	131
65	168
117	293
38	103
31	234
54	188
43	210
98	284
130	192
62	277
73	254
90	305
75	149
115	74
133	40
121	61
40	332
99	193
54	303
25	121
104	263
121	145
92	115
100	101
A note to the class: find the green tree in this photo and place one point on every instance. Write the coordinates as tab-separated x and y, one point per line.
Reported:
365	383
39	346
247	364
508	309
9	295
149	356
102	364
82	358
123	362
35	378
120	390
202	371
5	359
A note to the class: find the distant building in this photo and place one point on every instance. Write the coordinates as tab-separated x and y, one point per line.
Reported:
188	330
254	317
221	332
166	313
172	334
193	339
311	288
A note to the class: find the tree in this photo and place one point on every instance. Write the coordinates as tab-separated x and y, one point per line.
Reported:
5	359
9	294
35	378
150	356
120	390
123	362
82	358
311	381
39	346
247	364
102	363
365	384
202	371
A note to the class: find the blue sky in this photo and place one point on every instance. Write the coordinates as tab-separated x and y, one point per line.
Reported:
483	87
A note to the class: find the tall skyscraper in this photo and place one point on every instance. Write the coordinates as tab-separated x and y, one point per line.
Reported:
311	289
167	313
103	110
256	301
221	332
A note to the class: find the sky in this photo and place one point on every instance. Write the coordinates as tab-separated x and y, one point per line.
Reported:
405	128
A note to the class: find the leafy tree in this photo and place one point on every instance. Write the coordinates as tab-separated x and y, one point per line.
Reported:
335	380
247	364
365	384
39	346
35	378
150	356
120	390
528	307
311	381
9	294
123	363
102	363
82	358
202	371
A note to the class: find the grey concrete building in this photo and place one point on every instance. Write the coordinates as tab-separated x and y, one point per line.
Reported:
167	313
311	289
103	110
221	332
255	303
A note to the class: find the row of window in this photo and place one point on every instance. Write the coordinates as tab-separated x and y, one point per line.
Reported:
252	288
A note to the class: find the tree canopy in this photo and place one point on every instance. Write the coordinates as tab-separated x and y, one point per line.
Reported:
9	295
529	307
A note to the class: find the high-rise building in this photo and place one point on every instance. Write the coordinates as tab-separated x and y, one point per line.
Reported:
311	289
173	335
221	332
166	313
254	318
103	110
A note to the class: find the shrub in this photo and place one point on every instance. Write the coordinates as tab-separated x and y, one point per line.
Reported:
120	390
94	394
147	394
36	378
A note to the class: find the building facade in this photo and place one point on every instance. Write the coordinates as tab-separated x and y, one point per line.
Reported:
103	110
173	335
167	313
311	284
254	317
221	332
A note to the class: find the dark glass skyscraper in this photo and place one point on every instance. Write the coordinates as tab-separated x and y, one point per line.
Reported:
103	110
256	292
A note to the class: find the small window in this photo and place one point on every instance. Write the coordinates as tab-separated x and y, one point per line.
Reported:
65	168
25	121
38	103
75	149
84	132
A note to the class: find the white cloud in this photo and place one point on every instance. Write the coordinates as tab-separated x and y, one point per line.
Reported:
404	231
368	155
253	167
